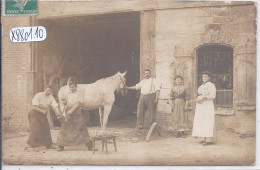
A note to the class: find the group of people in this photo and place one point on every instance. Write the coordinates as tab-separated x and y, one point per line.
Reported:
204	119
73	127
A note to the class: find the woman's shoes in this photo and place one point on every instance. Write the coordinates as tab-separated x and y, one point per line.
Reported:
183	135
138	127
201	142
28	147
60	148
204	143
178	135
207	143
51	147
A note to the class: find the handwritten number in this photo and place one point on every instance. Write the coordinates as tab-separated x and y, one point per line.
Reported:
27	35
36	32
13	35
21	34
30	33
40	33
17	34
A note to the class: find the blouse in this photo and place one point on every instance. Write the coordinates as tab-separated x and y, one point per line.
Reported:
180	92
73	98
207	90
42	99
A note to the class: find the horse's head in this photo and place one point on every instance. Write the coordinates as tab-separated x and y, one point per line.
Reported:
117	81
122	79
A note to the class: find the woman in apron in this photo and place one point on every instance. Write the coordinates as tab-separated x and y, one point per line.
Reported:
204	120
73	129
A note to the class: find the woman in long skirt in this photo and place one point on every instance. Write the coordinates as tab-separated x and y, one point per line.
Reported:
180	97
40	134
204	120
73	130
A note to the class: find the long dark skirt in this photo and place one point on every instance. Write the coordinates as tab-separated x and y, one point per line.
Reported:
179	115
74	131
40	134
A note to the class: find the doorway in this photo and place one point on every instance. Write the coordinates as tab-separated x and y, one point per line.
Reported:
218	59
92	47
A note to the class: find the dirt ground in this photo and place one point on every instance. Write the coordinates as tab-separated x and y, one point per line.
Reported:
231	149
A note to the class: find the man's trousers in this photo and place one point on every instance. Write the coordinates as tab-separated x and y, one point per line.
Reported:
146	103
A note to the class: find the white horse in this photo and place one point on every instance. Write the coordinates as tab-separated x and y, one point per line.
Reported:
96	95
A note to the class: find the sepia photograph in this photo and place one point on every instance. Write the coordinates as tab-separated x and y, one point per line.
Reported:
129	82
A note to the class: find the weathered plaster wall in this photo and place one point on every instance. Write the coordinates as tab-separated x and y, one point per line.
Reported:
178	32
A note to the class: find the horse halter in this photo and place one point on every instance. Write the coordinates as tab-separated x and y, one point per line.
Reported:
122	80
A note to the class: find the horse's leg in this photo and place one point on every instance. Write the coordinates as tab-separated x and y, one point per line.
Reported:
107	109
101	115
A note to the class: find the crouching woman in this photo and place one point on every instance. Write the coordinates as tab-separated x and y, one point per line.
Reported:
73	129
40	134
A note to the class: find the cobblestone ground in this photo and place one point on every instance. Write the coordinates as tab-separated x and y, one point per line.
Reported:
231	149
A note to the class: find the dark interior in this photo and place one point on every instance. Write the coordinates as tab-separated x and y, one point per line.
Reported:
218	60
91	48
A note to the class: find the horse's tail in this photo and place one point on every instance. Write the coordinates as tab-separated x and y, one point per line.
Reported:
72	79
69	80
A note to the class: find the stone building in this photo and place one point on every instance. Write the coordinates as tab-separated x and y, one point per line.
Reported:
95	39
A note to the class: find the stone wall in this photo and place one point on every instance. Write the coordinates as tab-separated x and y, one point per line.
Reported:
178	32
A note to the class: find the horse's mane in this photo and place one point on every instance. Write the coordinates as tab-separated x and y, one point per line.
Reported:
100	80
106	79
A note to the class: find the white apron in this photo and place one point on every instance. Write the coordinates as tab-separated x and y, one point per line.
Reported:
204	119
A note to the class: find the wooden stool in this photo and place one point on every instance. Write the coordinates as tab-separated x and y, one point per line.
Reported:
104	140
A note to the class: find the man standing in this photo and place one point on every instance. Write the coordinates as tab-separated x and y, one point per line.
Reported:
150	90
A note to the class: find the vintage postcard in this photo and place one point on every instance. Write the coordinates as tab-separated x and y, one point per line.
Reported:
129	82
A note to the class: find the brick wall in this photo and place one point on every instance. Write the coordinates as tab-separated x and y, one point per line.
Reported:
16	59
179	32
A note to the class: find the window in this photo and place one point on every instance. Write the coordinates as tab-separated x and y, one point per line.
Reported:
218	59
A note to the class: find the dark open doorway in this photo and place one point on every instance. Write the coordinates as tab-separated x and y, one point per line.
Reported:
218	59
91	48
